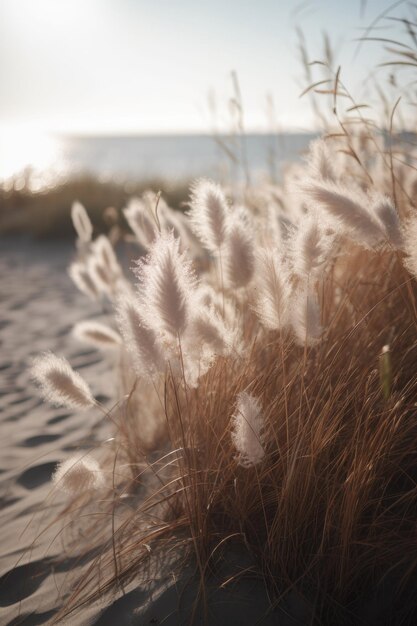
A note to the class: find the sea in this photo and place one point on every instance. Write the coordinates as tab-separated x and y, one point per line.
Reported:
41	161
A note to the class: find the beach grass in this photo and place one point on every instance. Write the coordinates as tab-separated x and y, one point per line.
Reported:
267	392
265	358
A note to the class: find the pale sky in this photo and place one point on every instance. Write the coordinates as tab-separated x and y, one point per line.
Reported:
131	66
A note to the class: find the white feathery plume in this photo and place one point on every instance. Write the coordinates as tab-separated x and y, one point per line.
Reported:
59	383
208	297
167	285
239	255
104	252
310	245
78	474
247	425
97	335
140	220
99	274
319	161
208	214
348	206
305	316
140	339
272	289
103	267
208	328
82	278
81	222
207	337
410	247
386	212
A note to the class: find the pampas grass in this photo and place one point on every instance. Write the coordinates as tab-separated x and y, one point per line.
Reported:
384	209
302	470
97	335
320	161
272	290
310	246
247	424
258	407
83	279
207	327
141	340
59	384
410	249
141	222
349	206
305	316
239	256
82	223
78	474
208	214
167	286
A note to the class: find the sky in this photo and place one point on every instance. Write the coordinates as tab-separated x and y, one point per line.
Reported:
153	66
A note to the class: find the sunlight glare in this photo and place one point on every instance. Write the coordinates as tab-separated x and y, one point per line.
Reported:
23	150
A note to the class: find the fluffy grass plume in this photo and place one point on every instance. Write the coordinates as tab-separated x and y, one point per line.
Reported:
141	221
305	316
208	214
208	327
320	161
410	248
349	206
78	474
82	278
140	338
97	334
82	223
60	384
384	209
247	423
239	255
272	289
167	286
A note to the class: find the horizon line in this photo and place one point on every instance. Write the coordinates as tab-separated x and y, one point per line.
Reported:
83	133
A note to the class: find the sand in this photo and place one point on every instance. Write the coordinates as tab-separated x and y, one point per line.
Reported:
39	305
38	308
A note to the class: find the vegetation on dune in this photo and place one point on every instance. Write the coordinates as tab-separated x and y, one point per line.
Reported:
46	213
271	366
266	366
